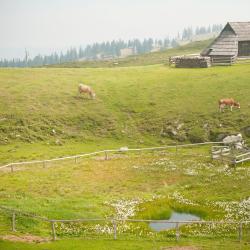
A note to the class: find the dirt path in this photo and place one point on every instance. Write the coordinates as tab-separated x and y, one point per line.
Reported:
24	238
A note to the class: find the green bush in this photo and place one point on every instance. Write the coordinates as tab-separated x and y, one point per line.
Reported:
196	135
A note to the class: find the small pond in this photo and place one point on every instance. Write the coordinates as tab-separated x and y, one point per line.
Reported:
175	216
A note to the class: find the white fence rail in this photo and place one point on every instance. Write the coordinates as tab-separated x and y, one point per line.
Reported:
13	164
242	158
225	153
220	151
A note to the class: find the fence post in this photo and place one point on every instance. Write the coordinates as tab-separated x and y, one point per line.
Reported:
13	224
177	232
44	164
240	231
11	168
106	155
221	155
75	159
176	148
53	230
115	228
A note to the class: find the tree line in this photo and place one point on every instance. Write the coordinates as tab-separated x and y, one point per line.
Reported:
108	50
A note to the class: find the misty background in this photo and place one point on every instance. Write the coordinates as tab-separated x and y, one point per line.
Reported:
44	26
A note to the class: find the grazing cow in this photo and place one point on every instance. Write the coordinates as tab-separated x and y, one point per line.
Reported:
85	89
228	102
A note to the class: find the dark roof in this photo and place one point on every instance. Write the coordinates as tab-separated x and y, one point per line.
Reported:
226	44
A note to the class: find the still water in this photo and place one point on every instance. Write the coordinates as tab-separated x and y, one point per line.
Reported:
175	216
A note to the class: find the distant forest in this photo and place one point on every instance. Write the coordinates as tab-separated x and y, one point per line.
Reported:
108	50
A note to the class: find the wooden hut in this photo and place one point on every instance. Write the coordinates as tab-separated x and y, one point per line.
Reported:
233	42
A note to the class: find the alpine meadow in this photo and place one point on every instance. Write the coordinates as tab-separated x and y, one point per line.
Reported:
129	150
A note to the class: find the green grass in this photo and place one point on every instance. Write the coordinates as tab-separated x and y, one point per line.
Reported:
87	189
79	244
42	116
134	106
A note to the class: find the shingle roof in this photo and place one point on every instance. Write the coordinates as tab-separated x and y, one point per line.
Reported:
226	44
242	30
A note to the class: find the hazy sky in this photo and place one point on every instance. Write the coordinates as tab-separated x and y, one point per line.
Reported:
43	25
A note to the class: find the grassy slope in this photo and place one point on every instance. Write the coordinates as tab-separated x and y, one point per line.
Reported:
68	190
134	105
160	57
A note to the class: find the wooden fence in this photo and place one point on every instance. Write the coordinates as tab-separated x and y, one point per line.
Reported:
242	158
222	153
14	213
106	152
223	150
225	153
223	61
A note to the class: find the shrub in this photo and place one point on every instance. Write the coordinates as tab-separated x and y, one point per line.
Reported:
196	135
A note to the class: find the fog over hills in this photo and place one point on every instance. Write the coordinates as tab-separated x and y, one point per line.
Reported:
45	26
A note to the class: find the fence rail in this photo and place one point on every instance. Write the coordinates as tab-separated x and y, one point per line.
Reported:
242	157
15	212
219	151
223	60
114	221
121	150
225	153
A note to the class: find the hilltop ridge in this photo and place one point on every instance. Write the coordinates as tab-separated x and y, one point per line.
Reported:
159	57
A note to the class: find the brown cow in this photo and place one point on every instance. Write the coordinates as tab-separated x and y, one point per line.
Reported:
85	89
228	102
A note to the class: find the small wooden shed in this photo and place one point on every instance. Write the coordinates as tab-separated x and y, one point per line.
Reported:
233	42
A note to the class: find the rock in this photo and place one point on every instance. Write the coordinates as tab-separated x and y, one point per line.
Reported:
232	139
239	145
221	136
58	142
179	126
174	132
235	140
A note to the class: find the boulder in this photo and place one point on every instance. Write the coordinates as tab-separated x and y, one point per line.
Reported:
235	140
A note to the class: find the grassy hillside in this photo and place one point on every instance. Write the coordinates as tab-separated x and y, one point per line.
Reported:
134	105
144	185
42	116
160	57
